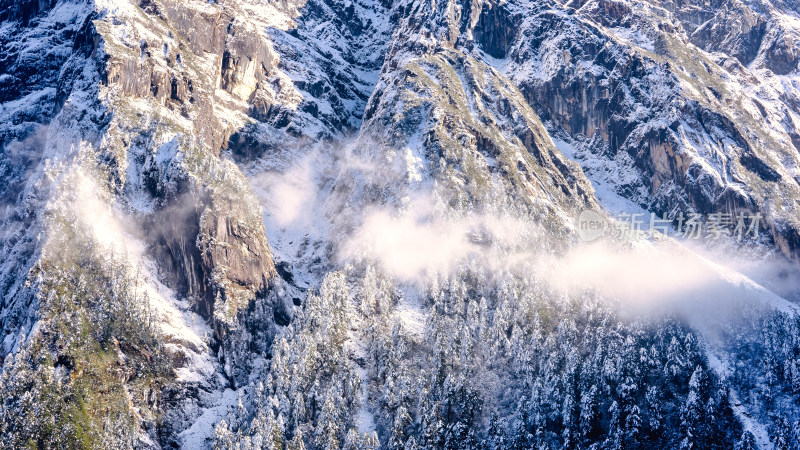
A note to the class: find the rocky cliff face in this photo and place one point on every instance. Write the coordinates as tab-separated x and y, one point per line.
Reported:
635	90
154	123
145	97
133	134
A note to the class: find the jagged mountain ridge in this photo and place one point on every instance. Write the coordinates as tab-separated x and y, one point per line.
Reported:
156	103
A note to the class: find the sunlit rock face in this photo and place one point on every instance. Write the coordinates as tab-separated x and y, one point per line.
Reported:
629	84
134	136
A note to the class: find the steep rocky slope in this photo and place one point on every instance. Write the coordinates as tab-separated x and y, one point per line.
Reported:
146	144
692	99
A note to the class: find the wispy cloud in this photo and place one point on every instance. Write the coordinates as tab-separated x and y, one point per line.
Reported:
378	209
289	196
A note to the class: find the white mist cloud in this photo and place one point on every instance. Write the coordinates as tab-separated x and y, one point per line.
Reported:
92	205
645	273
289	196
85	206
420	238
417	241
408	246
385	210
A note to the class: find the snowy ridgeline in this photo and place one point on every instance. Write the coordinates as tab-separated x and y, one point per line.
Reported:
429	290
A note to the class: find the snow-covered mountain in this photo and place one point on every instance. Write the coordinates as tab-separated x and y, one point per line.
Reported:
352	224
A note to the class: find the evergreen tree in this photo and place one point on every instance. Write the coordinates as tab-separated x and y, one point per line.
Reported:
496	439
746	442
